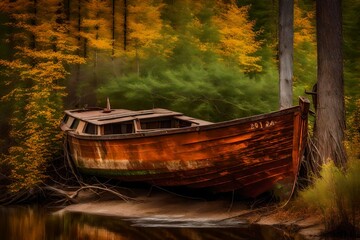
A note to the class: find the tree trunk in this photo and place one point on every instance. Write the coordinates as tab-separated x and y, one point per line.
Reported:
125	24
286	39
72	97
113	30
67	10
33	23
330	117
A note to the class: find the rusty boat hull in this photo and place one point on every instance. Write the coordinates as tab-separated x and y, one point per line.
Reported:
249	155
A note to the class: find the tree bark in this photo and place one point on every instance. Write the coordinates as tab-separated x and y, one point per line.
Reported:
286	49
33	23
125	24
113	29
330	117
67	10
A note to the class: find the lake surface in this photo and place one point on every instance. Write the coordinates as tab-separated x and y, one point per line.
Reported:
36	223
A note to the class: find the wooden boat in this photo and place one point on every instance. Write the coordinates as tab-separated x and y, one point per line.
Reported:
166	148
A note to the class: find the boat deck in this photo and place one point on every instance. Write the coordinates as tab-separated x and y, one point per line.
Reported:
98	116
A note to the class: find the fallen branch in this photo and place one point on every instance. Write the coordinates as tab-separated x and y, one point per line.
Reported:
71	196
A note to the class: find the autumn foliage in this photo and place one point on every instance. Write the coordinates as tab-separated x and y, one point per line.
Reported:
238	38
36	73
211	59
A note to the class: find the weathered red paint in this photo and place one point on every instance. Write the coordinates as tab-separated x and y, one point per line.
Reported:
248	155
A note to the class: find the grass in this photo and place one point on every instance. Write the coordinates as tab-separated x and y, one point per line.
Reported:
335	194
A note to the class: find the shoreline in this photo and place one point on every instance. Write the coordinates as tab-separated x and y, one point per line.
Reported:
168	208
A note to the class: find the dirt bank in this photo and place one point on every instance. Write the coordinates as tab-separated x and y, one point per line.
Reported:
169	207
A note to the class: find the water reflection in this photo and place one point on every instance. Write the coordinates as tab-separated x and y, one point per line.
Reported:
22	223
35	223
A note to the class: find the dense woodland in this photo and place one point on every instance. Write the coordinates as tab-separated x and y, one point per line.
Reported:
215	60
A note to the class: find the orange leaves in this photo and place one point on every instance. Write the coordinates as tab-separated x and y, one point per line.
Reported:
98	43
10	6
34	133
238	39
95	26
50	55
304	31
44	50
16	64
144	26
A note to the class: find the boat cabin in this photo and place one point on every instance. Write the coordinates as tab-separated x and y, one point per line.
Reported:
97	121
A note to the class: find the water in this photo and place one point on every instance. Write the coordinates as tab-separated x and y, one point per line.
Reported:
36	223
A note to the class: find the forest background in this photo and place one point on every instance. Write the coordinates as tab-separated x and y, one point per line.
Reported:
214	60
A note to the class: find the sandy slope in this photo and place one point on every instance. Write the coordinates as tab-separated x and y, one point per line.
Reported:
167	208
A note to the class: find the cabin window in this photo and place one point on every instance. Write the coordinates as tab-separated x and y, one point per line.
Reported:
118	128
69	120
75	124
156	123
90	128
182	123
65	119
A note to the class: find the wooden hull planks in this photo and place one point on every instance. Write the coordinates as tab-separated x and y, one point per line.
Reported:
249	155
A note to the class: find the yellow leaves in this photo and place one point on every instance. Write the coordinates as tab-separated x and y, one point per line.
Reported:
304	31
7	6
35	147
98	43
238	39
98	7
141	35
54	36
13	94
304	46
46	72
14	65
38	70
144	25
50	55
96	26
237	16
28	167
95	23
22	17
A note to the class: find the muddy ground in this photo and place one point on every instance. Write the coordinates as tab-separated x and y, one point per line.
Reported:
163	206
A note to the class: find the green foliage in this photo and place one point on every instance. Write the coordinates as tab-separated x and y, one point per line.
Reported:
265	15
304	48
193	77
214	93
351	28
336	194
353	131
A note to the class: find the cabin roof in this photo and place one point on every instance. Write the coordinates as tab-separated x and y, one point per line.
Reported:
98	116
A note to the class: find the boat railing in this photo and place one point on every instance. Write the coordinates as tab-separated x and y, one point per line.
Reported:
153	130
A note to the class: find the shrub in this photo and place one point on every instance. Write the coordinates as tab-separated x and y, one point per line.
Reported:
336	194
